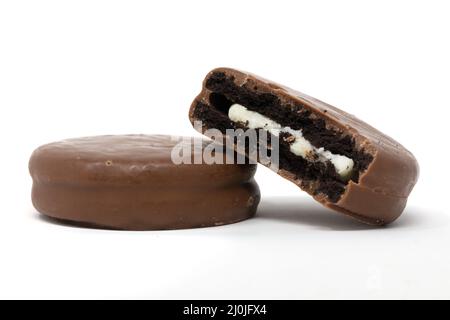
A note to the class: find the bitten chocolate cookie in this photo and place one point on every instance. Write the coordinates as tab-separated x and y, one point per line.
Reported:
344	163
130	182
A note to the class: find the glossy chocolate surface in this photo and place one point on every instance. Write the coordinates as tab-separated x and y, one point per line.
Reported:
130	182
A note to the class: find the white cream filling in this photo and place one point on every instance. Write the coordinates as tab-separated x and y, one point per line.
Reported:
300	146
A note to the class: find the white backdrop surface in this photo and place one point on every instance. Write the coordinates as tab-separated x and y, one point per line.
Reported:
78	68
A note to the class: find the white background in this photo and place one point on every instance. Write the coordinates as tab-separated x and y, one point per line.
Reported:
77	68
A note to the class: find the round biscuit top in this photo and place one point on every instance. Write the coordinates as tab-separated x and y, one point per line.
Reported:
156	160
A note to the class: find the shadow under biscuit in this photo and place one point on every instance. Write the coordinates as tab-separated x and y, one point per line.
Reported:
304	211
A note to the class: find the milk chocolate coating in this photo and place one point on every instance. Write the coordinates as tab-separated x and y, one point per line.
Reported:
379	192
130	182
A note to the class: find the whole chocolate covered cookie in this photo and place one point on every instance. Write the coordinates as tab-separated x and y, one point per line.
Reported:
344	163
131	182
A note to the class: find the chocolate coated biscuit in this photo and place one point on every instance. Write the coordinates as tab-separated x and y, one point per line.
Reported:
130	182
344	163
